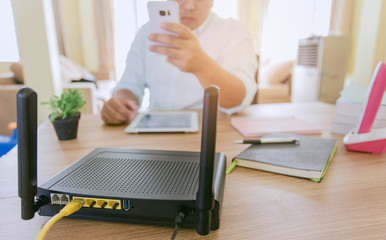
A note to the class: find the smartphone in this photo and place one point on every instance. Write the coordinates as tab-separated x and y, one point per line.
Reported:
162	11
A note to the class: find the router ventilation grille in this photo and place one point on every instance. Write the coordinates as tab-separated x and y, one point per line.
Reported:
134	174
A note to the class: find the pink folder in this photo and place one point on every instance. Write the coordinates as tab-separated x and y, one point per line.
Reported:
256	127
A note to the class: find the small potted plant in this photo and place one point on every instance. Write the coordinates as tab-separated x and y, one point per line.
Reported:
66	113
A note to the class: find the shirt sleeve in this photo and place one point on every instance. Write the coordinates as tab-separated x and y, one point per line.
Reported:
133	77
240	59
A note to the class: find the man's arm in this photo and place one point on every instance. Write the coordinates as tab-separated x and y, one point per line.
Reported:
185	52
127	94
120	108
232	89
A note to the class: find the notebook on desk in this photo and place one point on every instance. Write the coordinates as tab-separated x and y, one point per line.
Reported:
257	127
309	158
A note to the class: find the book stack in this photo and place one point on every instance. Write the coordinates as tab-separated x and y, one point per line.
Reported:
349	110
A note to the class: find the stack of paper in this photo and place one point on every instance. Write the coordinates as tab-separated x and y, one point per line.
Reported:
349	109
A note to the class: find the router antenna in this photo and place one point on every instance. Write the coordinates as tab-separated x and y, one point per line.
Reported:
205	196
27	150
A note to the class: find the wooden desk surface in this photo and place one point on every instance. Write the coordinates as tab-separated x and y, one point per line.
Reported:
350	202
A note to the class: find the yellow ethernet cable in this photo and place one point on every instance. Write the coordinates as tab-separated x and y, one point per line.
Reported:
69	209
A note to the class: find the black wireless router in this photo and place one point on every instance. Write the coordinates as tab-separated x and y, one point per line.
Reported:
127	185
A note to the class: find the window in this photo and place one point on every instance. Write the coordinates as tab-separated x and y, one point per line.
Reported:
226	8
289	21
8	43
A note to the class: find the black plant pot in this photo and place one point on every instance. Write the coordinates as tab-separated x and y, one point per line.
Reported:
67	128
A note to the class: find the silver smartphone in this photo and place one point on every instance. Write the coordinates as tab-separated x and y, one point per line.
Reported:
162	11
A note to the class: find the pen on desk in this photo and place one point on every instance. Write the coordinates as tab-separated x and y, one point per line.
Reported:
268	140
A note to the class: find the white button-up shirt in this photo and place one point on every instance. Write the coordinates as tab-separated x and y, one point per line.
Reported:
226	41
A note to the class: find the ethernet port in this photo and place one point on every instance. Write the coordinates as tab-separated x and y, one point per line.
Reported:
55	199
93	204
89	202
64	199
104	205
113	204
100	204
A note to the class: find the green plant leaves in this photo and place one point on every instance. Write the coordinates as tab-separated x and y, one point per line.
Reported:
68	104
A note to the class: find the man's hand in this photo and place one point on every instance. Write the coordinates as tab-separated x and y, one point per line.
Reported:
118	110
183	51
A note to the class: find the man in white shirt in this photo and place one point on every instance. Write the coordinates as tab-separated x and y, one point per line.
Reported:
206	51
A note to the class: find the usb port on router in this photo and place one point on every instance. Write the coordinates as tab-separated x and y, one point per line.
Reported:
126	205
